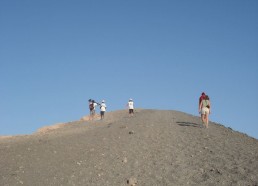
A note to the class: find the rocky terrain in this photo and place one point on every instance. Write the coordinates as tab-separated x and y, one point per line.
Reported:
153	147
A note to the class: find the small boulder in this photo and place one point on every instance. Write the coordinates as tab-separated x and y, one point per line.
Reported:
132	181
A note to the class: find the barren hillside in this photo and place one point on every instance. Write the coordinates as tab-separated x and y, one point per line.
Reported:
151	148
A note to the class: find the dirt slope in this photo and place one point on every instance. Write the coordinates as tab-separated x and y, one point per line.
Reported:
152	148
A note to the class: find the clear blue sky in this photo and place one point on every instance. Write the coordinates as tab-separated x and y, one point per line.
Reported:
55	55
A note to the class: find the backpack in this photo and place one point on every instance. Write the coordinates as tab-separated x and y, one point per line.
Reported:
91	106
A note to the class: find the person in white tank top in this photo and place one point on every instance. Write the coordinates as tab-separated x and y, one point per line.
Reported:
130	107
103	107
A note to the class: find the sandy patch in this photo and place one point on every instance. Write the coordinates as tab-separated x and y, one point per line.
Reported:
6	137
50	128
87	118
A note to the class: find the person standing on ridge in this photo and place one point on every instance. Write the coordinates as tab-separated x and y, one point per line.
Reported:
205	110
130	107
94	107
91	107
102	109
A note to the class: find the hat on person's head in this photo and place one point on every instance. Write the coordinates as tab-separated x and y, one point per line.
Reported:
103	101
130	99
89	100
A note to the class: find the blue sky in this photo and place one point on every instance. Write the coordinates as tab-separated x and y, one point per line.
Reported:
55	55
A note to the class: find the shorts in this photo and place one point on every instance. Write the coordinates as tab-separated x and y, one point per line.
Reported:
130	111
205	110
92	112
102	113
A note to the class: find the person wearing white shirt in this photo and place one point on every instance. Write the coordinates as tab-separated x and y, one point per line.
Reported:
102	109
130	107
94	106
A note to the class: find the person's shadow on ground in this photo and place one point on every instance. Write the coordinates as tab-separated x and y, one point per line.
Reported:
187	124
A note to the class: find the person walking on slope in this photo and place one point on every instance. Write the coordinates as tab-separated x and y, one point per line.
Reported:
205	110
201	98
102	109
130	107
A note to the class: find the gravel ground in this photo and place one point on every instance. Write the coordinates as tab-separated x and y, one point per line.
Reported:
151	148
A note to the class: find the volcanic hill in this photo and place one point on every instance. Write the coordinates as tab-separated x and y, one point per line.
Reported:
154	147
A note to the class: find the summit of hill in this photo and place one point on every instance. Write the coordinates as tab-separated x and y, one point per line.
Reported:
153	147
